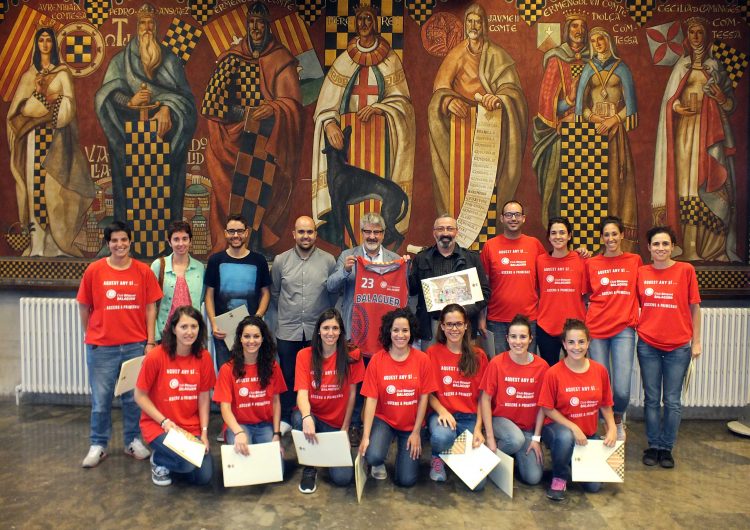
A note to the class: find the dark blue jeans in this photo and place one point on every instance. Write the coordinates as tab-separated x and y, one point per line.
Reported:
359	400
616	354
561	442
288	350
340	476
381	436
164	456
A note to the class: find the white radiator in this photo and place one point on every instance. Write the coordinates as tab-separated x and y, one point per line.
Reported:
722	373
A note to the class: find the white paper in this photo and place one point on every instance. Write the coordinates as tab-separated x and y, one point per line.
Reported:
360	476
595	462
186	445
474	464
502	475
332	450
228	322
128	375
262	466
460	287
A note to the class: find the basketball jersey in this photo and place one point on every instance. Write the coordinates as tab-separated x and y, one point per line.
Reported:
379	288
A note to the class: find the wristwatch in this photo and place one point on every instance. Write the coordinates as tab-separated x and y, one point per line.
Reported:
536	438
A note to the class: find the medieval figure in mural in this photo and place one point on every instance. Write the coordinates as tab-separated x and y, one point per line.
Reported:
694	178
557	100
144	73
606	97
476	72
366	89
254	91
53	184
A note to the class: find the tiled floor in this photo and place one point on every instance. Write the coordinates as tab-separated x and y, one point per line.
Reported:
43	486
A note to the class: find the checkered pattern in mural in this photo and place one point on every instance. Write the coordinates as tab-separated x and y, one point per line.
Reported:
584	156
78	48
58	272
341	26
734	62
489	228
3	9
530	10
247	84
42	141
97	11
693	211
641	10
182	38
576	69
202	10
147	186
420	10
723	280
252	182
239	76
310	10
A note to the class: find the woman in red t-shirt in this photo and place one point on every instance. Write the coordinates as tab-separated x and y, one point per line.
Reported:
172	391
397	383
458	367
510	390
574	392
562	283
669	335
326	378
248	387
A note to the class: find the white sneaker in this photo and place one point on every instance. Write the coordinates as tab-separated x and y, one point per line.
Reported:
285	428
379	472
95	455
137	450
160	474
620	431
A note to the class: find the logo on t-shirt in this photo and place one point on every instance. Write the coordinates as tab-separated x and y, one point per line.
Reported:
574	401
314	383
244	391
111	293
390	389
174	383
383	284
550	278
447	380
604	281
505	261
649	291
511	391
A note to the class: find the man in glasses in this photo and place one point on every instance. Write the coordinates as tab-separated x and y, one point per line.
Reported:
234	277
444	257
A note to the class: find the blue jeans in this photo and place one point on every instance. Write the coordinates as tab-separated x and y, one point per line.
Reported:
381	436
500	331
549	345
662	373
442	438
287	351
222	352
514	442
340	476
561	442
164	456
616	354
359	400
104	364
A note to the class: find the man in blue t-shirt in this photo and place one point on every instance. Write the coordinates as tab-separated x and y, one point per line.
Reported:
234	277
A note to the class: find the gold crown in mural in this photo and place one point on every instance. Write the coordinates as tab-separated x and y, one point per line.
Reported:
365	6
45	23
697	21
146	11
575	15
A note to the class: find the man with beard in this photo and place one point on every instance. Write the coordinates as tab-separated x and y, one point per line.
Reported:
444	257
557	102
255	85
476	70
143	73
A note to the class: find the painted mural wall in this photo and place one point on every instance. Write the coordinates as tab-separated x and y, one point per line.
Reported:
195	109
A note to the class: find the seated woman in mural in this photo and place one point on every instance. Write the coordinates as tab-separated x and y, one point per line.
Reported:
53	184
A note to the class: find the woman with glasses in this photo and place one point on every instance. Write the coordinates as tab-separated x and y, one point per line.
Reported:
458	367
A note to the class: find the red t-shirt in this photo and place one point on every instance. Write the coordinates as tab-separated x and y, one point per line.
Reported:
511	268
173	385
328	402
398	386
118	300
251	404
576	396
562	284
613	304
666	295
514	388
455	391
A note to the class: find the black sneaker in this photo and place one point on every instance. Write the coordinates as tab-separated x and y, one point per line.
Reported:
307	484
665	458
651	456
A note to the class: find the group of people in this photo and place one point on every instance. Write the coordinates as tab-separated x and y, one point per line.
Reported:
303	370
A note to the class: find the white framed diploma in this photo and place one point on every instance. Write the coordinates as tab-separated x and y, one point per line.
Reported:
228	322
460	287
332	450
360	475
470	464
595	462
262	466
502	475
186	445
128	375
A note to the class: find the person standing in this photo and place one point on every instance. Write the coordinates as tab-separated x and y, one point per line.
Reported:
300	294
234	277
117	303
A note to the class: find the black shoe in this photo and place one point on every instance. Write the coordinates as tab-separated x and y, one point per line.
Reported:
665	458
307	484
355	435
651	456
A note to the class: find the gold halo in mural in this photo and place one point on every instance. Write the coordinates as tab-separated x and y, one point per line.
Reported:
81	48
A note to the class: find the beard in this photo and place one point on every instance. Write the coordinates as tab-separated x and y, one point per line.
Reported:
150	53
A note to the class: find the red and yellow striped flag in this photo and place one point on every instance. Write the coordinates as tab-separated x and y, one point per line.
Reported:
221	32
462	139
292	33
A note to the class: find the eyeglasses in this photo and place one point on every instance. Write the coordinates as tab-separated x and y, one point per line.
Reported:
373	232
511	215
454	325
445	229
235	231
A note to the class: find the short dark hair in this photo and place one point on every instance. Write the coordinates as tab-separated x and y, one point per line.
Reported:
611	220
179	226
237	217
169	339
661	230
387	323
563	221
573	324
521	320
512	201
116	226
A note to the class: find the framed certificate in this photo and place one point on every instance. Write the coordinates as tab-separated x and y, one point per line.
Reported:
460	287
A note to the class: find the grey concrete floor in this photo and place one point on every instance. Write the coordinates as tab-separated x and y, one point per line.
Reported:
43	486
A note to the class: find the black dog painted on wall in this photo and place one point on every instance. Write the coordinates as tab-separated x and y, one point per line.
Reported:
348	185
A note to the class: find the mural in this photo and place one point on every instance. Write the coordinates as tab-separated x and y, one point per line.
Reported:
192	110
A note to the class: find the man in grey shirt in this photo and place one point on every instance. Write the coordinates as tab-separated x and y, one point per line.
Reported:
300	294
